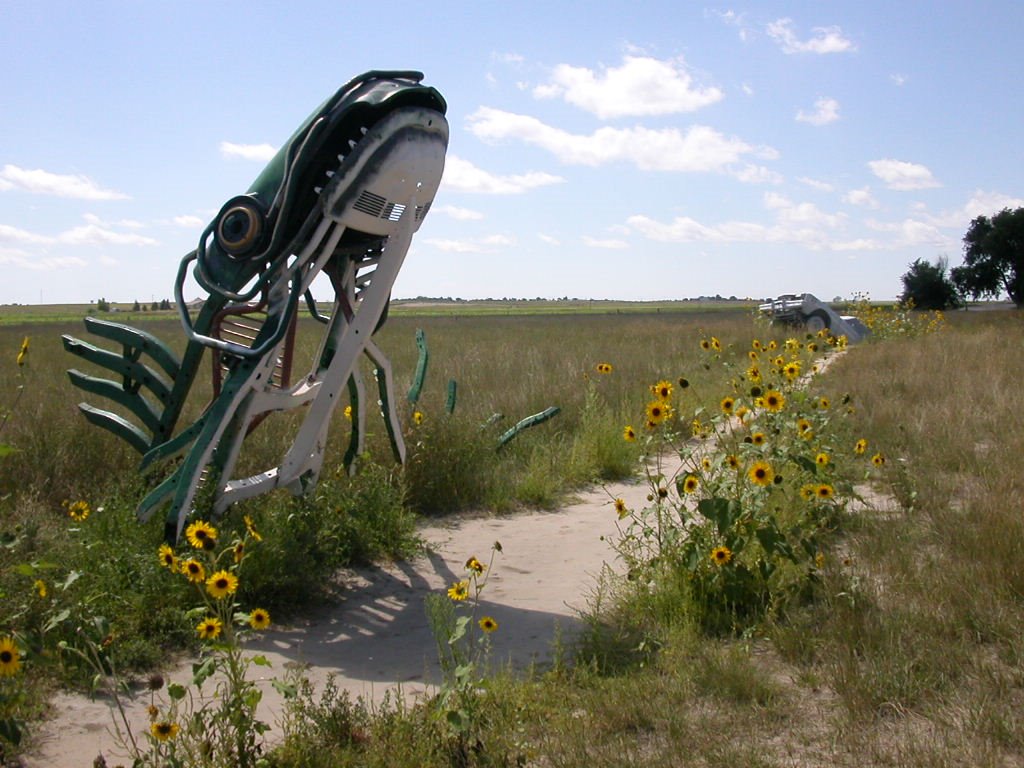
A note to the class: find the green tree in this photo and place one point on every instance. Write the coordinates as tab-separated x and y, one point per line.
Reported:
994	257
929	286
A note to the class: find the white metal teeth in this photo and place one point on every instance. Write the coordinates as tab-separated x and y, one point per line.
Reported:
352	143
318	190
363	130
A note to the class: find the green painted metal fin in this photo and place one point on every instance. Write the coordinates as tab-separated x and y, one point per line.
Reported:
133	401
175	446
529	421
449	403
353	441
141	340
421	367
387	409
157	497
120	426
135	373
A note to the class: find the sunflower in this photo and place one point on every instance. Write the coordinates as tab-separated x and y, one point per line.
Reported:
808	491
741	412
821	459
487	624
758	438
803	425
721	555
727	405
756	344
690	484
823	403
657	411
629	434
459	591
475	566
754	357
878	459
860	446
716	344
193	570
604	368
774	401
23	352
78	511
417	417
167	558
621	509
10	658
251	528
209	628
40	587
732	462
754	373
163	731
259	619
221	584
201	535
348	412
792	370
662	390
705	344
824	491
238	551
772	345
761	473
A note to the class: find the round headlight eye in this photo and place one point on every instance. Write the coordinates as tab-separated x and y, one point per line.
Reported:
239	227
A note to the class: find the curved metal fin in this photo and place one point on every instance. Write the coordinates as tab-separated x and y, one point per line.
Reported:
136	339
120	426
134	373
133	401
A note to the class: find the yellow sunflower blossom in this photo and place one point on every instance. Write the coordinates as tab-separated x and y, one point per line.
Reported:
621	509
193	570
824	491
792	370
167	557
732	462
163	731
417	417
487	624
209	628
662	390
860	446
221	584
475	566
201	535
761	473
348	412
822	459
251	528
259	619
40	588
878	460
758	438
459	591
78	510
774	400
657	411
727	405
690	484
604	368
721	555
629	434
808	491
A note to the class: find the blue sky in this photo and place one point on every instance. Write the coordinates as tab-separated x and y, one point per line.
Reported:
642	150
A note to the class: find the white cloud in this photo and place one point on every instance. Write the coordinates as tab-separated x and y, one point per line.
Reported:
42	182
825	111
824	39
457	213
897	79
668	149
821	186
911	232
862	197
549	239
188	222
93	234
261	152
758	174
488	244
9	234
791	213
607	243
903	176
92	218
640	86
989	203
22	260
462	176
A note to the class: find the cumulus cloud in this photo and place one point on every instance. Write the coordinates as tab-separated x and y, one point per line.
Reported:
639	86
462	176
758	174
261	152
823	40
903	176
911	232
548	239
700	148
188	222
861	197
457	213
40	182
20	259
825	111
821	186
93	234
606	243
488	244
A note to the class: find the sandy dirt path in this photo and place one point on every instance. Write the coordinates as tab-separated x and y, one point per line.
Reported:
377	638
